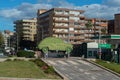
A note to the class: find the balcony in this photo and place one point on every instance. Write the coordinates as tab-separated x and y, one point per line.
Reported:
60	32
89	32
26	28
71	20
26	32
60	20
79	27
88	40
26	24
61	26
61	15
78	32
104	24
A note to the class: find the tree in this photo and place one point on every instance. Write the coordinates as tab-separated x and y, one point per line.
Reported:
89	24
1	39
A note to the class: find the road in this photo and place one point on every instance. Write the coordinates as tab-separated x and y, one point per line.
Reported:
77	69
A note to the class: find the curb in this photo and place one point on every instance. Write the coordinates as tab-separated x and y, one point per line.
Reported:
9	78
59	73
113	72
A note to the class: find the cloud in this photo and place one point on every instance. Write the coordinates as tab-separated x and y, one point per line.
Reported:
10	13
57	3
27	10
111	3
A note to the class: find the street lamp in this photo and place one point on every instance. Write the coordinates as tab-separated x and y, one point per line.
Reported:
99	48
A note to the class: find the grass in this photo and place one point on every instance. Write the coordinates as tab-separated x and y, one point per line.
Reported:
110	65
23	69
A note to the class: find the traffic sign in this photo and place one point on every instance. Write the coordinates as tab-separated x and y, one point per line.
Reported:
104	46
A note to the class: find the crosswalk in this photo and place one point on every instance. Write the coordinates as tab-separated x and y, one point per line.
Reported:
78	69
67	62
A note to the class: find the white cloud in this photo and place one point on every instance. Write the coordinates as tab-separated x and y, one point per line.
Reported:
112	2
27	10
10	13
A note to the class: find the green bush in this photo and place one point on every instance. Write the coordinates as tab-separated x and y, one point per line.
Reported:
49	70
18	59
39	62
27	54
8	60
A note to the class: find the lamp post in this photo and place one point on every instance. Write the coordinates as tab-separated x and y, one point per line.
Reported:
99	33
99	48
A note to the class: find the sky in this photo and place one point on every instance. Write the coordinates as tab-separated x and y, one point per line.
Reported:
11	10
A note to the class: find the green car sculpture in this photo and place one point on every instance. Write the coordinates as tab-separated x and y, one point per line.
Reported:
57	44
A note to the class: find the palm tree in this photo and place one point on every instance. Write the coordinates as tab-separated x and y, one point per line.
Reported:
89	24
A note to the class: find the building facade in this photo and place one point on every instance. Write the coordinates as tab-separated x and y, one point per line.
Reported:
102	29
68	24
25	30
9	39
111	26
117	24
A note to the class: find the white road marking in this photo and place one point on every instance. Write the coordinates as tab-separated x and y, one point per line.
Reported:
86	73
81	70
84	62
72	62
62	62
51	62
93	77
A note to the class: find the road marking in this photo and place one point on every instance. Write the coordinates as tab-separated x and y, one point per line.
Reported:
93	77
72	62
86	73
84	62
51	62
81	70
62	62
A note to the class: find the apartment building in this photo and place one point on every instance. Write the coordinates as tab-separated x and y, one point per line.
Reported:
117	24
8	39
111	27
99	28
67	24
25	30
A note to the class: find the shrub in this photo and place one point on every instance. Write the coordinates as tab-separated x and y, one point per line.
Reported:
18	59
49	70
39	63
8	60
27	54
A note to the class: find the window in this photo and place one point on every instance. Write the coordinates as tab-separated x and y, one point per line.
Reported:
95	53
76	23
89	53
76	13
71	29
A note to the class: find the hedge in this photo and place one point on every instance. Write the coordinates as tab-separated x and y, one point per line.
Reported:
27	54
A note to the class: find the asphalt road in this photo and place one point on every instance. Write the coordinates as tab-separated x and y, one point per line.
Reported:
77	69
